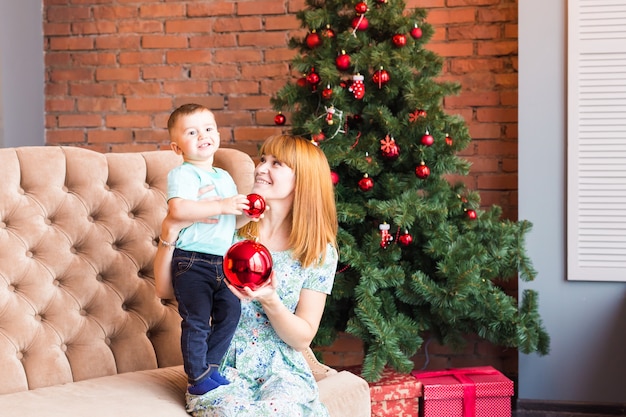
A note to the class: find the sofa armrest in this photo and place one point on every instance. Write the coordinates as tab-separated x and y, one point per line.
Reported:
320	371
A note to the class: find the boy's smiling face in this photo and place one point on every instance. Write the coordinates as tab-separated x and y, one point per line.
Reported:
195	137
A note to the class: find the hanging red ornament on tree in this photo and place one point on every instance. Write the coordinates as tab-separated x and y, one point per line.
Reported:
366	183
357	88
381	1
313	79
334	177
342	61
405	238
380	77
360	23
422	171
399	40
385	236
427	139
449	140
280	119
389	148
302	82
327	32
318	137
361	7
471	214
313	40
416	32
327	93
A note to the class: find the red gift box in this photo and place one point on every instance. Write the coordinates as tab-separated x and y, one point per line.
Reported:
394	395
465	392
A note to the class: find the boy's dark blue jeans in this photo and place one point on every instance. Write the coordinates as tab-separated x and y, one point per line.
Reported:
209	311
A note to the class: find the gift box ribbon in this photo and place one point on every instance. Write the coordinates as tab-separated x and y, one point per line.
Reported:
469	387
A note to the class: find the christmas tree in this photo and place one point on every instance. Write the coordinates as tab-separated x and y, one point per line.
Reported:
417	253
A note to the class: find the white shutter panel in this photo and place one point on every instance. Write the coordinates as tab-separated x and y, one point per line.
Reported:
596	178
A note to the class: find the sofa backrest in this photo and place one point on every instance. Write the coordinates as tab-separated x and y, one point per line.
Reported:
78	234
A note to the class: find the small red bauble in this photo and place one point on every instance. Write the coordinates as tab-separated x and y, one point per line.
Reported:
399	40
280	119
361	7
342	61
416	32
381	1
427	139
257	205
405	239
313	40
301	81
380	78
471	214
422	171
313	78
327	93
360	23
448	140
318	137
334	177
366	183
328	32
247	264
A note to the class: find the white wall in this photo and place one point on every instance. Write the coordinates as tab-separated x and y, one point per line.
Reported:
21	73
586	320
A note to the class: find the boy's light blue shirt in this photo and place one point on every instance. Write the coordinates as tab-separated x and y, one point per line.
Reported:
185	181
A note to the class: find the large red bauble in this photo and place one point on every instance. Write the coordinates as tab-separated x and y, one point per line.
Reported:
380	77
366	183
247	264
342	61
360	23
471	214
422	171
280	119
257	205
416	32
405	239
334	177
427	139
313	40
361	7
399	40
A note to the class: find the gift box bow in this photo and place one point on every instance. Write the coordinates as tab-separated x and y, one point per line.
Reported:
462	375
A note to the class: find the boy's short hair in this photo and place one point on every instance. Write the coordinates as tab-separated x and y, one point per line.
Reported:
183	110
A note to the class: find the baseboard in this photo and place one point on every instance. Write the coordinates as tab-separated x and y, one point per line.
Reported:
555	408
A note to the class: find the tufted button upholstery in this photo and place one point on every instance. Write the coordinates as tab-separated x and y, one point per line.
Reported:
78	233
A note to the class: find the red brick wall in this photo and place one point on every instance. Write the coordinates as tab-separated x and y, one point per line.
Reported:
116	68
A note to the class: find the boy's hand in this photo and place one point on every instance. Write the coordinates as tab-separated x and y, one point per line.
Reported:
234	205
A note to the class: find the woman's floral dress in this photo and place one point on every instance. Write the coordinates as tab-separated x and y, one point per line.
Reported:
268	377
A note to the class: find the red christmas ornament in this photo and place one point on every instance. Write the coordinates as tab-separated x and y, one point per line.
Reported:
330	112
422	171
389	148
342	61
471	214
313	78
405	239
357	88
327	93
385	236
366	183
361	7
380	77
334	177
313	40
302	81
360	23
247	264
280	119
399	40
381	1
318	137
257	206
416	32
427	139
448	140
327	32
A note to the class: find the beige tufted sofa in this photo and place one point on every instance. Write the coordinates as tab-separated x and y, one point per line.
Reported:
81	330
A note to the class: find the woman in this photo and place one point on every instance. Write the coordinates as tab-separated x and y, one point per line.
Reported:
268	374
